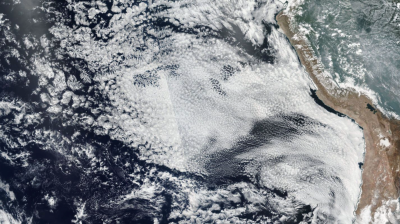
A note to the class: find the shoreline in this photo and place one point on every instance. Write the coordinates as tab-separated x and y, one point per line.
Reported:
381	168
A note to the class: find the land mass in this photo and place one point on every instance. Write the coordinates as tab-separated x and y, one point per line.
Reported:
381	168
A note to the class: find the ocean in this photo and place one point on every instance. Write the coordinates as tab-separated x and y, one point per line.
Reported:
189	111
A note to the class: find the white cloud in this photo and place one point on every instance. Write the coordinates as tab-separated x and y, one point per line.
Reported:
173	97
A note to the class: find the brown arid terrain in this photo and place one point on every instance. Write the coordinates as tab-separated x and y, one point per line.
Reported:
381	169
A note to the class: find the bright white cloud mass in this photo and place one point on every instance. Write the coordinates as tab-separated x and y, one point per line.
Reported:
171	112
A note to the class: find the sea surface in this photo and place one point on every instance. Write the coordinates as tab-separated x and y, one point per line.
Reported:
165	111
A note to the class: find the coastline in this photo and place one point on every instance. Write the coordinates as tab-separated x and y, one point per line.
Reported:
381	168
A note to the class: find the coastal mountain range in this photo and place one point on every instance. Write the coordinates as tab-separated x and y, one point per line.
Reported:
198	111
